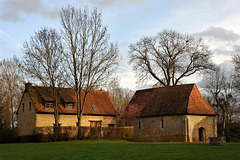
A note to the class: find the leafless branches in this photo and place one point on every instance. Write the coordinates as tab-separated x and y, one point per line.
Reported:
43	60
89	57
169	57
11	82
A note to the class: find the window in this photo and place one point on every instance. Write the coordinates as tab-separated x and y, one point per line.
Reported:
111	125
23	107
162	124
49	105
94	107
30	105
139	125
69	106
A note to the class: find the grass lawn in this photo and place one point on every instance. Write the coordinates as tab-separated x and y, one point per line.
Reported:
104	149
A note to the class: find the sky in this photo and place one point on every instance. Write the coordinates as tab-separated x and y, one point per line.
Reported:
216	21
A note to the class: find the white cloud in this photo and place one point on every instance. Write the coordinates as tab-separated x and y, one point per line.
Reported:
222	42
12	10
220	33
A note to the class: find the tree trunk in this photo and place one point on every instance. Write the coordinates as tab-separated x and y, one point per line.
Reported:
224	123
12	116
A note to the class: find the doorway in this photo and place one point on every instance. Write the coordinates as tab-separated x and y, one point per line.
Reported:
95	129
202	134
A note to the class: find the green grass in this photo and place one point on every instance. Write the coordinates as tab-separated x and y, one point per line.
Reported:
104	149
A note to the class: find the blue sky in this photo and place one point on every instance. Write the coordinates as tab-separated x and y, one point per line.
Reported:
217	21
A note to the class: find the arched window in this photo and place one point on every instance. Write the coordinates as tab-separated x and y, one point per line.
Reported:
162	124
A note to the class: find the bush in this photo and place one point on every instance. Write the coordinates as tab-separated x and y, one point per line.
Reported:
117	133
8	135
234	132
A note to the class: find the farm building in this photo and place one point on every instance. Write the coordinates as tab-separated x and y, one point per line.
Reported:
173	114
36	109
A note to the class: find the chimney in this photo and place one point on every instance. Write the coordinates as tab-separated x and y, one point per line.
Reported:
28	86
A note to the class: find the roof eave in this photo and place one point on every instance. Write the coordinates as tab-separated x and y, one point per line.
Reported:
87	114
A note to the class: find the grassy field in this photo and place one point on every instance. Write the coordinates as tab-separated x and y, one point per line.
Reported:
103	149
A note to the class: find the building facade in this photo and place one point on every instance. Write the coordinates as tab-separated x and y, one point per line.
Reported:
173	114
36	109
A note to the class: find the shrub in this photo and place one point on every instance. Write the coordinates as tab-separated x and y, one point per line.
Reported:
8	135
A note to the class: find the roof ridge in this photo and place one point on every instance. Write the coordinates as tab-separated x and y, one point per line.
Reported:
69	88
167	87
189	99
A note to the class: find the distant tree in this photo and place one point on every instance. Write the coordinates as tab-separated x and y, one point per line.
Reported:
169	57
120	96
219	85
90	58
236	61
43	60
11	82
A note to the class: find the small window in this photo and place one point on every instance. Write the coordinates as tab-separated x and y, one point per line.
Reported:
139	125
162	124
94	107
49	105
69	106
30	106
111	125
23	107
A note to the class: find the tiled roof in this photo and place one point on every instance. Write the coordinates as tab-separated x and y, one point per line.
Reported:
100	99
173	100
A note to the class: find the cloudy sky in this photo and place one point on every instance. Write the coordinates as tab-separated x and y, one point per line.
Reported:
217	21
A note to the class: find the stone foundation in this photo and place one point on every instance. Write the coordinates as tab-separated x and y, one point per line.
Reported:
217	141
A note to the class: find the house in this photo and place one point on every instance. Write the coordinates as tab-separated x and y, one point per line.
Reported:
173	114
36	109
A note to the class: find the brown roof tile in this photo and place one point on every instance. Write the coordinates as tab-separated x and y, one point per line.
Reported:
174	100
100	99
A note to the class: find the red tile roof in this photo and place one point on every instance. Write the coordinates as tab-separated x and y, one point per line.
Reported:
173	100
100	99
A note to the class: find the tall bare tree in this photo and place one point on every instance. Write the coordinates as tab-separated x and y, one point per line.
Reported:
90	58
220	86
11	82
169	57
43	60
236	61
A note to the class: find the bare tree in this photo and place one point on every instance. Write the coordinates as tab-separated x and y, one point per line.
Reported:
90	58
120	96
43	60
236	61
11	82
169	57
219	84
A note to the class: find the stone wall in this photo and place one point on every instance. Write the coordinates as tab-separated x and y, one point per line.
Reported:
217	141
161	129
208	125
178	128
26	117
44	120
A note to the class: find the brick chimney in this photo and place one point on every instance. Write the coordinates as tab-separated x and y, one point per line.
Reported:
28	86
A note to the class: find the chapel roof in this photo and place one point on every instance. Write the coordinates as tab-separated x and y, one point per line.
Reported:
172	100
